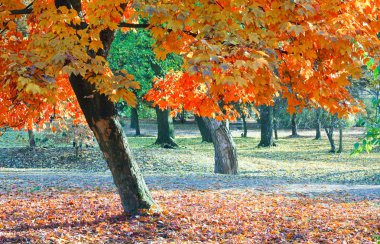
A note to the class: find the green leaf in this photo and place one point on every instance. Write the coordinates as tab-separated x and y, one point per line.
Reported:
376	72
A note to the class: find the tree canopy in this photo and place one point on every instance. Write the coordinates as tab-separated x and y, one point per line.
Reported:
301	50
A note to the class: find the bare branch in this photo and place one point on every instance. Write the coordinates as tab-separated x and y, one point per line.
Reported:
130	25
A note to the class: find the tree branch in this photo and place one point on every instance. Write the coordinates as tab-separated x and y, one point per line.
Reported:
130	25
27	10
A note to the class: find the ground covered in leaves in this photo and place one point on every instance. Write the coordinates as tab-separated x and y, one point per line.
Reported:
232	216
295	192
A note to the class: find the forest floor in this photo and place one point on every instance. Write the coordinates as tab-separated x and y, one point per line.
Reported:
296	191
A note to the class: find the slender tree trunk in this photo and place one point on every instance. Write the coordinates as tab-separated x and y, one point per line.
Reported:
245	131
318	124
275	129
101	117
225	150
330	134
266	125
182	117
135	123
340	149
32	141
134	118
275	121
165	134
205	132
294	125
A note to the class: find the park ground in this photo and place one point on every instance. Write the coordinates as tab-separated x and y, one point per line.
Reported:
294	192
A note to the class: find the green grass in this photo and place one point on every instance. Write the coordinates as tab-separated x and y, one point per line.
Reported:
295	160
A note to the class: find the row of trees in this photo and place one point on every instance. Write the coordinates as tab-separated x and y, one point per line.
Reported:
234	53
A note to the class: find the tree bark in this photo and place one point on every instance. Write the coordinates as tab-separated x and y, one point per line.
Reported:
101	117
294	125
225	150
340	149
133	118
275	121
32	141
330	134
135	123
165	130
182	118
205	132
318	124
245	130
275	129
266	126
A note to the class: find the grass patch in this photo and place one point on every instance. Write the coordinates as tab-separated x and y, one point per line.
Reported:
295	160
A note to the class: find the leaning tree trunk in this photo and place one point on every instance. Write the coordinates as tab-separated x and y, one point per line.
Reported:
165	130
318	124
266	125
135	123
330	135
205	132
294	125
225	150
101	117
32	141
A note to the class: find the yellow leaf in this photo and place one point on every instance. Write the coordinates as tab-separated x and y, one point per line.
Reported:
33	88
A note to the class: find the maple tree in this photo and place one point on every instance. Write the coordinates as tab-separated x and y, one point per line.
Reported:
298	50
235	51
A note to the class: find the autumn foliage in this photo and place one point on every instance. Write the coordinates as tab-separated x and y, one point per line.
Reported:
206	216
303	51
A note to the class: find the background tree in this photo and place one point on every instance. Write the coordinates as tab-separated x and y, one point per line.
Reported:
31	139
204	130
132	51
318	112
266	126
294	125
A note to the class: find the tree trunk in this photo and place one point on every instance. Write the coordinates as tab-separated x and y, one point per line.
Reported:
225	150
340	149
330	134
318	124
101	117
134	118
32	141
182	117
245	131
165	130
275	129
266	125
205	132
294	125
275	121
135	123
